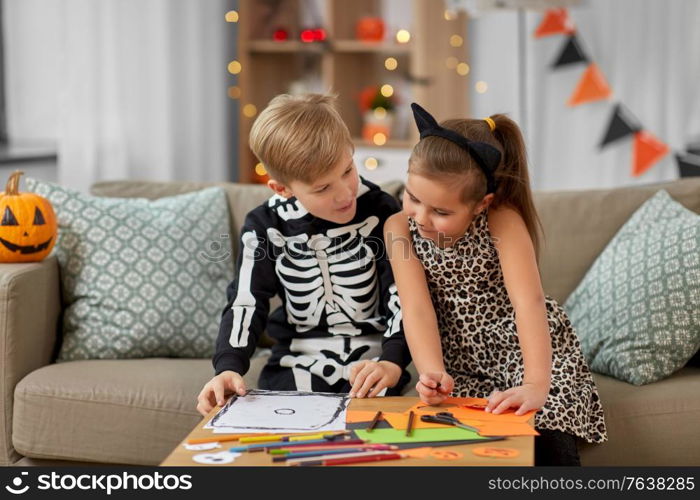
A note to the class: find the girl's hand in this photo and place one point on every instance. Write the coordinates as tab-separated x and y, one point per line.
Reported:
434	387
369	378
525	397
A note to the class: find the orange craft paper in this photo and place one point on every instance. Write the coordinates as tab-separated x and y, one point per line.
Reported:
506	429
462	413
354	416
416	452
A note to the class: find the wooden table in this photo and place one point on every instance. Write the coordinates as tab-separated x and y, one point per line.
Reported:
524	444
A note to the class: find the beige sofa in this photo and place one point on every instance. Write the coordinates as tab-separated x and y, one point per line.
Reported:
136	411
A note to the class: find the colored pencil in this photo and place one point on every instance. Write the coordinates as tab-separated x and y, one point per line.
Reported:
356	460
220	437
375	421
291	437
266	446
352	454
318	453
287	451
409	427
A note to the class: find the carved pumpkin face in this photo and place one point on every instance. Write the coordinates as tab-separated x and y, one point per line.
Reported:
27	224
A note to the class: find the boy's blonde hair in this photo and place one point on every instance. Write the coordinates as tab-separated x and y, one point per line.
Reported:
300	137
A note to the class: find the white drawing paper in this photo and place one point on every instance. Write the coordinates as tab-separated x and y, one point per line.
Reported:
281	412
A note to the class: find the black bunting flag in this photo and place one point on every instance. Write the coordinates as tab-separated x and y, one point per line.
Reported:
622	124
572	53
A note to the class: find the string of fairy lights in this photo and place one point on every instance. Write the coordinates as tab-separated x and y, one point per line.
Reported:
402	36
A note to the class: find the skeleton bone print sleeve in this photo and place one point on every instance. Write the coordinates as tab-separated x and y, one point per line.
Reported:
246	312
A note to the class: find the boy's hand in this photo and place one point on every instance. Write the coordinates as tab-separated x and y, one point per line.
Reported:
369	378
215	391
434	387
525	397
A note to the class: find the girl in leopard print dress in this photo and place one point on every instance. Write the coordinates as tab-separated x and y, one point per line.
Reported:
464	255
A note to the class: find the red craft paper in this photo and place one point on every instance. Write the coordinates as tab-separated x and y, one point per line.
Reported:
591	87
555	22
647	151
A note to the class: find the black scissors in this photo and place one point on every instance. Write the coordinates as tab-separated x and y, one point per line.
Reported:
447	418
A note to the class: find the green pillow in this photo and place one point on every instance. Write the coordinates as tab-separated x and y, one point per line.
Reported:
637	310
140	278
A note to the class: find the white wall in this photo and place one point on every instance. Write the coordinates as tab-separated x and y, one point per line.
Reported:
32	65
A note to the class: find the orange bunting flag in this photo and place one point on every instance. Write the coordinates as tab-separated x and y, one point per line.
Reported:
591	87
555	22
647	151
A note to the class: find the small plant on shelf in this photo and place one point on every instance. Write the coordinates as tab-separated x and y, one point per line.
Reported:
377	107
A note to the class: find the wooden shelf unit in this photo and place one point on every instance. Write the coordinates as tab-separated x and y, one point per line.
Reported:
345	66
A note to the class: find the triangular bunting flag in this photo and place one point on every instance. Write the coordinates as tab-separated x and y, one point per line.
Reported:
571	54
688	165
591	87
647	151
555	22
622	124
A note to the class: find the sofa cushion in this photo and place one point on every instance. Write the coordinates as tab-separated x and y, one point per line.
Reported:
140	278
242	198
648	425
579	224
637	310
115	411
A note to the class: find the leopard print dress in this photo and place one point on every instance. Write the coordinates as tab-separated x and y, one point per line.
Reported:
479	339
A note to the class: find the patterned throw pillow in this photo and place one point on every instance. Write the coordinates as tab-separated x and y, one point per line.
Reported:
140	278
637	310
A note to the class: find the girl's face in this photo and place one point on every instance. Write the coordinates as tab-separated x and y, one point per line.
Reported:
438	210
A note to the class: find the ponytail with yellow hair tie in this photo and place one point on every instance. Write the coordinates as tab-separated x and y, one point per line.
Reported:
492	124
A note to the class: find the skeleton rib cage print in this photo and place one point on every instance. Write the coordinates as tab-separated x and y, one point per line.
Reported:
333	273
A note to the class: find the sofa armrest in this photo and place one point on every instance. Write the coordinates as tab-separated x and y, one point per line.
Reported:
30	308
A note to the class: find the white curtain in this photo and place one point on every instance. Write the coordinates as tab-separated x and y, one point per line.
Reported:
141	89
649	52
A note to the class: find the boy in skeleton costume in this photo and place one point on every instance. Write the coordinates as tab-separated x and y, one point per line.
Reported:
317	243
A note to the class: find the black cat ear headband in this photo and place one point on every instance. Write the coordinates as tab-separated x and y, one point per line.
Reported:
485	155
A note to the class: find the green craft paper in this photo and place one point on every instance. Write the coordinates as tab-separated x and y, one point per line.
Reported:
418	435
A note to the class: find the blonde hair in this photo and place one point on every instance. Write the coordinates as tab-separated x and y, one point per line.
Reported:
300	137
445	161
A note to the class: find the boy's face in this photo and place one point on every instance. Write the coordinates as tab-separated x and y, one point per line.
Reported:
332	197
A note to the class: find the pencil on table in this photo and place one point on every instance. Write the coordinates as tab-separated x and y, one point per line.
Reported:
409	427
375	421
220	437
355	460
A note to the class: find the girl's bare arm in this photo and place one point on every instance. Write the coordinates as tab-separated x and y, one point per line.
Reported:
419	319
522	280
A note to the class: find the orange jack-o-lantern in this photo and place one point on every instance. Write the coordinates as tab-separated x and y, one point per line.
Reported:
28	228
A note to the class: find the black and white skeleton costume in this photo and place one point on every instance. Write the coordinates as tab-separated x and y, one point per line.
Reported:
339	301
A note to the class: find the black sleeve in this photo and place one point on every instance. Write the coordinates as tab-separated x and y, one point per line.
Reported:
245	315
394	345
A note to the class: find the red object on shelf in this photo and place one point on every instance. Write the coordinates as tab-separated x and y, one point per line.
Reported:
370	29
319	34
280	35
307	36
